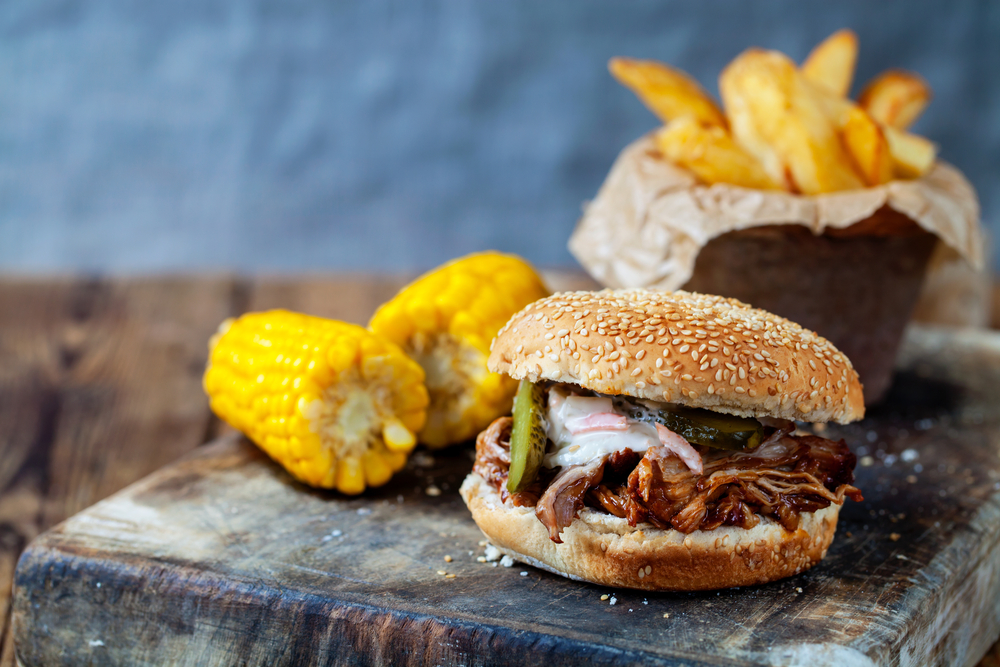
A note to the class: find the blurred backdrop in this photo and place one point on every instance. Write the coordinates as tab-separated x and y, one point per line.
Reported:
291	135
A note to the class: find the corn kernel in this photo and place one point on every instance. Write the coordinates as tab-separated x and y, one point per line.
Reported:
320	397
445	321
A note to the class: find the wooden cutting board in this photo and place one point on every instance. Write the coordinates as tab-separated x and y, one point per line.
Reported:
221	559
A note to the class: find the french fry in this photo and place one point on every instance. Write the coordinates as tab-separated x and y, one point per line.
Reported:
669	93
831	63
912	155
866	143
776	116
711	154
896	98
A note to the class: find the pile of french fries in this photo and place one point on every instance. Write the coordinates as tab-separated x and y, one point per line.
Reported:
787	127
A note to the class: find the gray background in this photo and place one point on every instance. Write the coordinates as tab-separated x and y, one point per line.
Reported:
313	135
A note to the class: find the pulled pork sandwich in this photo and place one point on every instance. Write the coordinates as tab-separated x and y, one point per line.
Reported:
652	443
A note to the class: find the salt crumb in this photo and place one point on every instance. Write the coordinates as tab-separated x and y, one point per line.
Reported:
645	602
364	511
492	553
866	461
95	642
666	615
98	584
524	574
422	460
432	491
909	455
798	589
613	601
337	533
506	561
912	479
326	538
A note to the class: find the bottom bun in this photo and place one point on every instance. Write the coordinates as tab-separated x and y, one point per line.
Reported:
603	549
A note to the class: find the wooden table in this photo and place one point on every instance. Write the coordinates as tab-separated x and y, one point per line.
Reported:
89	366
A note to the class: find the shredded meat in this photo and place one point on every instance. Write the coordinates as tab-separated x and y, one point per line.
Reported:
564	497
784	477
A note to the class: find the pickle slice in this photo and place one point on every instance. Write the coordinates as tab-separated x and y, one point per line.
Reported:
527	438
712	429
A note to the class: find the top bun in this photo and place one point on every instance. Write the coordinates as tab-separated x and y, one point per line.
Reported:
679	347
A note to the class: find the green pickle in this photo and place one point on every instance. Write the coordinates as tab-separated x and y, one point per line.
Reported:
713	429
527	438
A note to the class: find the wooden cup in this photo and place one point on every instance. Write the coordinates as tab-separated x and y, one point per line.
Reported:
857	286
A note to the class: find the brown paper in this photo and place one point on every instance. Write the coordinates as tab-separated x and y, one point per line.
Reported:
651	218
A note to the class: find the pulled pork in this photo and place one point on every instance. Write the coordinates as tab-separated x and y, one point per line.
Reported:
785	476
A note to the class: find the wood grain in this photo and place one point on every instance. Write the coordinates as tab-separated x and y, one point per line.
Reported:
99	382
99	386
222	558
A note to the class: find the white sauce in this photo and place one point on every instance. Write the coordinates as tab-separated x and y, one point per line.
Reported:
585	447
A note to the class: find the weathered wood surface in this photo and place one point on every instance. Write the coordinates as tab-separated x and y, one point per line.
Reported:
221	559
100	383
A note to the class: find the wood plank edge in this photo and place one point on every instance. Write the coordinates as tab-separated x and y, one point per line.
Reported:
64	603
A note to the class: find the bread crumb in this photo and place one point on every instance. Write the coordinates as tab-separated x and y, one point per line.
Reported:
604	597
449	576
798	589
492	553
866	462
481	559
448	559
894	537
666	615
432	491
442	572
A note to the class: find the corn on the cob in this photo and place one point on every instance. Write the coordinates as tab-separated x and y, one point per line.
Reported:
335	404
446	321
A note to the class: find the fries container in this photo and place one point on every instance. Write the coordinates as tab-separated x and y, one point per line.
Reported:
849	265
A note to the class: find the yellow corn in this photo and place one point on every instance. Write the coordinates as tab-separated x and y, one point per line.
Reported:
445	321
335	404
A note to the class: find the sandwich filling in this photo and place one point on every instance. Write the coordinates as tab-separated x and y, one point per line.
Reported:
619	455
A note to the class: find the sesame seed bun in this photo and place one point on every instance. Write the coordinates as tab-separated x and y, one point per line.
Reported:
604	549
680	347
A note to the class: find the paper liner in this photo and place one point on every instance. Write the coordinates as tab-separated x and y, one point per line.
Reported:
848	265
651	218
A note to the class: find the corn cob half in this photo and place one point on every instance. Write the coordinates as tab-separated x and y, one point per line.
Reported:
446	321
335	404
